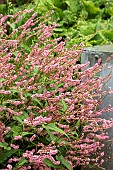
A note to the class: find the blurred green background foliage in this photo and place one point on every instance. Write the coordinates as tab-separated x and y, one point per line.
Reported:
88	21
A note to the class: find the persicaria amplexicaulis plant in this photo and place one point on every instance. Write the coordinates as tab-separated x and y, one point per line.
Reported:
49	104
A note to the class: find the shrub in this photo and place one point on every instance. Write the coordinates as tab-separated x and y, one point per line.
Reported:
49	107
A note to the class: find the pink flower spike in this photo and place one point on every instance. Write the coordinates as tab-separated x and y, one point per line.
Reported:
14	146
9	167
17	137
33	137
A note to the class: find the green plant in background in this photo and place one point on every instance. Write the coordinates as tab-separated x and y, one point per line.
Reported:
6	7
78	20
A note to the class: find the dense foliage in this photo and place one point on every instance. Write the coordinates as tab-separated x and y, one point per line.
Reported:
49	104
88	21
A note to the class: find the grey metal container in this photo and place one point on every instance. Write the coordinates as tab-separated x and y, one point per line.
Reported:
92	54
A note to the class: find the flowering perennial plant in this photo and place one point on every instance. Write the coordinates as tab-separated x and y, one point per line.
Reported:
49	104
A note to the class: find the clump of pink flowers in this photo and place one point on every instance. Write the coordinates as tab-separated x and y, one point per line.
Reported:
49	104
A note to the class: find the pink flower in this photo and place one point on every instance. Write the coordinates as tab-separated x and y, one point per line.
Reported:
102	154
16	103
53	152
38	120
5	92
13	160
99	61
33	137
32	88
17	137
9	167
14	146
102	161
7	130
71	108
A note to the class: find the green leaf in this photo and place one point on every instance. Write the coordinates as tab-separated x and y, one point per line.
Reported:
2	79
78	123
16	130
65	107
15	91
18	119
27	95
73	6
24	115
60	85
102	36
26	47
64	162
77	136
49	163
12	25
109	35
36	70
26	133
52	137
91	8
5	146
7	154
53	127
20	163
3	9
59	29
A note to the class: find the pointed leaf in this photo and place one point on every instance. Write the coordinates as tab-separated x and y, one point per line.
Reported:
7	154
4	145
64	162
53	127
21	163
49	163
65	107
